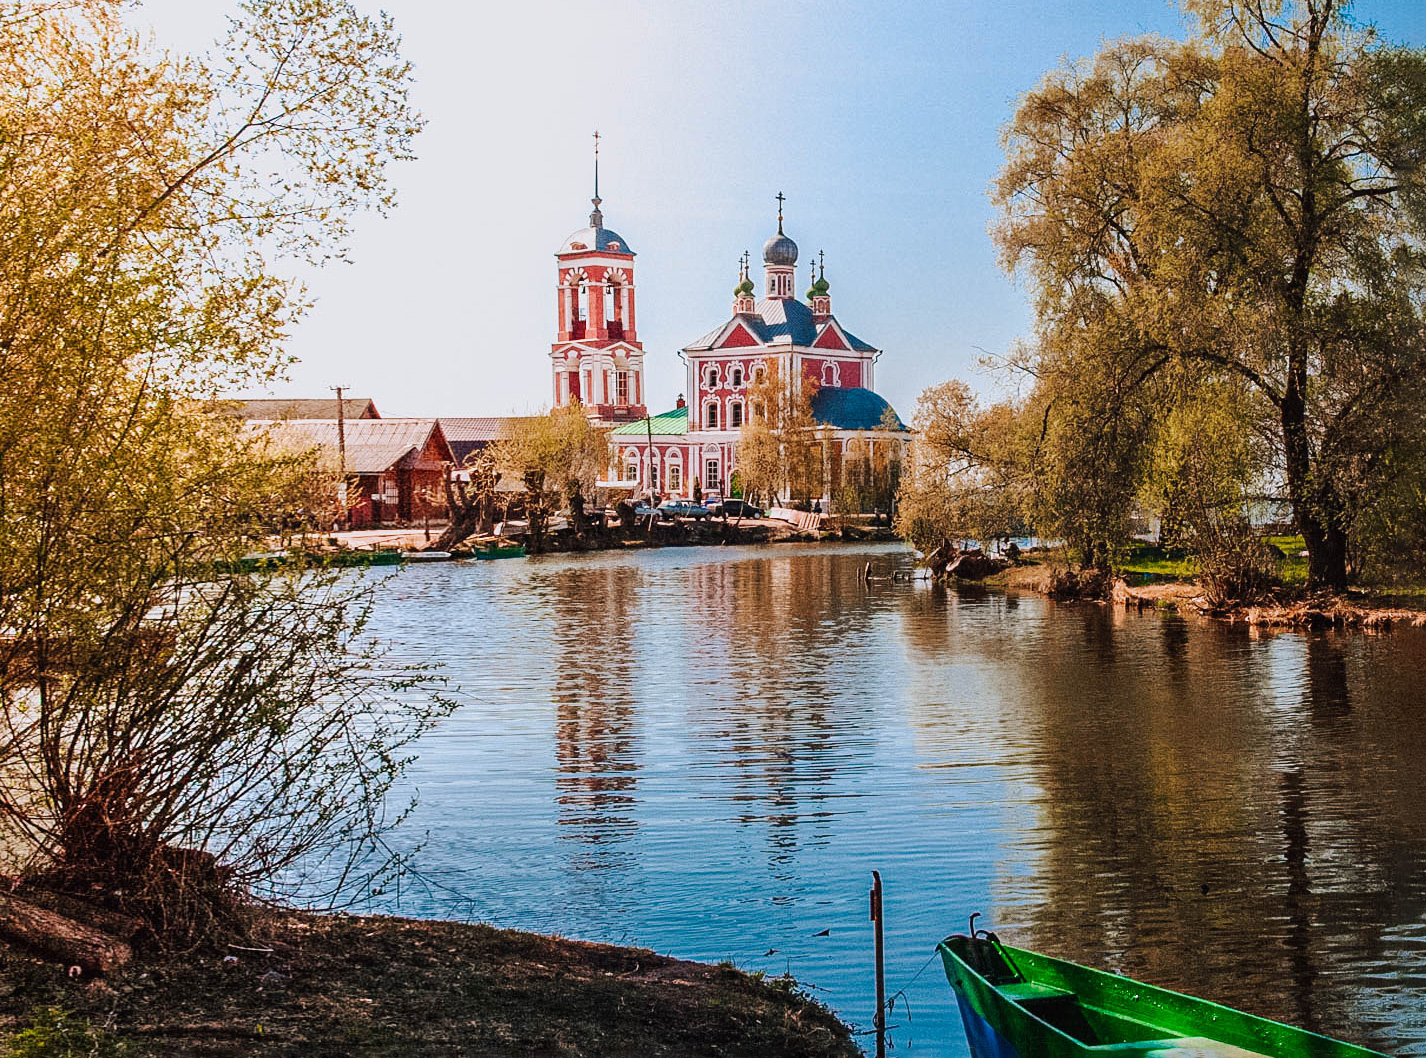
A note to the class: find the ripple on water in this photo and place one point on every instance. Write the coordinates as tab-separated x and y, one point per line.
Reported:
707	750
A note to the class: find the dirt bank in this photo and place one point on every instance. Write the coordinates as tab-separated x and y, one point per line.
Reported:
1290	610
333	985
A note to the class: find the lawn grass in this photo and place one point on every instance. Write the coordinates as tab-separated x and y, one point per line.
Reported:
1153	562
1291	569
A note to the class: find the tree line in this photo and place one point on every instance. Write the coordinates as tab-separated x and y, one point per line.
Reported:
1223	237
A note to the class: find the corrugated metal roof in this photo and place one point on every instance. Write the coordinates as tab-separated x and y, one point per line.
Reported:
305	408
669	423
780	321
482	428
852	408
373	446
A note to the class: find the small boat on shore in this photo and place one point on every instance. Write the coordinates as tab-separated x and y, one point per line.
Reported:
426	556
1020	1004
500	551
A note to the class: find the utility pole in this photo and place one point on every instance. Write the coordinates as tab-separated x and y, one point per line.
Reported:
342	457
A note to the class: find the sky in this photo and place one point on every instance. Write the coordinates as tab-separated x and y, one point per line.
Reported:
880	121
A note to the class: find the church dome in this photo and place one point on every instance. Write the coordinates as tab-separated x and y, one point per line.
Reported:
600	239
780	250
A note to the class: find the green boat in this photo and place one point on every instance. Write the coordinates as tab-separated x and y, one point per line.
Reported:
500	551
1019	1004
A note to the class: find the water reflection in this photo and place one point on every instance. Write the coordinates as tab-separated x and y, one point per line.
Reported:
596	722
706	751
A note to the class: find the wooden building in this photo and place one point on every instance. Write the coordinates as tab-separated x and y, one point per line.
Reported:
395	468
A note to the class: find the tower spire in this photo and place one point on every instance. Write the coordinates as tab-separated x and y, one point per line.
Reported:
596	218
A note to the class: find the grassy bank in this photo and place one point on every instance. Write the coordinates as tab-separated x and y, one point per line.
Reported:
323	986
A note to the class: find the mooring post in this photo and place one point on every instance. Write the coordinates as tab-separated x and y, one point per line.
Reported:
880	965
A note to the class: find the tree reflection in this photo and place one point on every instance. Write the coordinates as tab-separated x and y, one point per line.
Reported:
1201	825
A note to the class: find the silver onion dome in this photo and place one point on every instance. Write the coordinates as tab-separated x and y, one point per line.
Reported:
780	250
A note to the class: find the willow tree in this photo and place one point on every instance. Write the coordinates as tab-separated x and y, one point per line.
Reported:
174	733
1245	208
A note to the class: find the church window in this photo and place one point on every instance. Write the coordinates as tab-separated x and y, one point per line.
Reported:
713	376
621	387
631	472
710	420
829	374
675	478
735	415
710	475
737	377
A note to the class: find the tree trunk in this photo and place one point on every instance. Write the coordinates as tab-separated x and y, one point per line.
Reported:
1316	512
61	938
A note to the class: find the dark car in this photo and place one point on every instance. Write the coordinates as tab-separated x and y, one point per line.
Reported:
683	509
737	509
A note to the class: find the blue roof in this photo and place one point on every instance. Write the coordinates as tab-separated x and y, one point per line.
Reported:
600	239
852	408
781	318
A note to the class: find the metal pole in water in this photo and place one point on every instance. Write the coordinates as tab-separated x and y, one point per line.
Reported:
880	966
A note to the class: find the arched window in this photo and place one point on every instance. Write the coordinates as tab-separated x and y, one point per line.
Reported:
737	377
711	376
710	418
735	415
829	374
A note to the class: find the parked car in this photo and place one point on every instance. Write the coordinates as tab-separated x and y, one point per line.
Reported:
737	509
683	509
643	510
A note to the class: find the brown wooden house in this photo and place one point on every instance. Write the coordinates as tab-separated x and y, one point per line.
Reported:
395	468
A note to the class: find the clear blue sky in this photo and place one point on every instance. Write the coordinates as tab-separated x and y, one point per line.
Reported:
879	121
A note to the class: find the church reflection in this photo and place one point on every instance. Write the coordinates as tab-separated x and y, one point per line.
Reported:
779	722
596	743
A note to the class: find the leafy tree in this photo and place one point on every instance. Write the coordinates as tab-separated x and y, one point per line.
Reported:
970	474
779	451
1247	205
173	736
559	457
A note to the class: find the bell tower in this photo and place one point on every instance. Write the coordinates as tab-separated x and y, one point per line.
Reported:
596	358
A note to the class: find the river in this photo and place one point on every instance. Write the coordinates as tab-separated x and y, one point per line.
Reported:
706	751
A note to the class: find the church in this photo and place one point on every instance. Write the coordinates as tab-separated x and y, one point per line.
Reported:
597	360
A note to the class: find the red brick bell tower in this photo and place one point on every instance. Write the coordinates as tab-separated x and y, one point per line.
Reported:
596	357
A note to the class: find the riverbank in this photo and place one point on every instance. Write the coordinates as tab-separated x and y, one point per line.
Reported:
684	532
1291	609
329	985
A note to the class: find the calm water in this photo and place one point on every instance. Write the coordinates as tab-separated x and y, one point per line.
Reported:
706	751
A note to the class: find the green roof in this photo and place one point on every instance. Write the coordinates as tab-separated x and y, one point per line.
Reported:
670	422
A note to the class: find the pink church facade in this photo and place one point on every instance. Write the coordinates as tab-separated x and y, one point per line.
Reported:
597	360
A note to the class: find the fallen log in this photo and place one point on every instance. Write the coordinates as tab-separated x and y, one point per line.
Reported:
123	927
60	938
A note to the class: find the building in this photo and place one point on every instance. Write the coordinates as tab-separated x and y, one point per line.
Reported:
697	441
596	358
395	469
